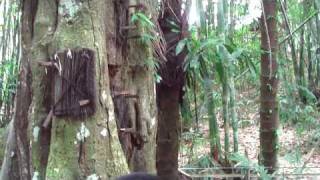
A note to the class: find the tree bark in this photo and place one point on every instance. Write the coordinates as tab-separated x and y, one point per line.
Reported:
10	163
169	92
51	26
16	161
269	116
132	87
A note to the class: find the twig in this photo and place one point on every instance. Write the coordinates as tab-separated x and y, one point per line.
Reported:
173	12
48	119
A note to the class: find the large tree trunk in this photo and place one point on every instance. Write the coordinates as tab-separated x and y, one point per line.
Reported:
79	147
269	117
169	92
132	87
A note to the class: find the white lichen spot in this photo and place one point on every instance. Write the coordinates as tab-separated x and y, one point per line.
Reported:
111	116
104	95
56	57
104	132
35	133
69	54
75	142
35	175
12	154
57	170
93	177
83	133
153	121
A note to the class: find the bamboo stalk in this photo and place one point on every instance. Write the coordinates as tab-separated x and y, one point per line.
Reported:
299	27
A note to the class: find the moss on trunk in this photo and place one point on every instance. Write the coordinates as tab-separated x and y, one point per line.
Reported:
68	24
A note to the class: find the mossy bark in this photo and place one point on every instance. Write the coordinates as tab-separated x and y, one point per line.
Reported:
68	24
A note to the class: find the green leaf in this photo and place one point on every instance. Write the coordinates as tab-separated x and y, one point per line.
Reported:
180	46
158	78
173	24
175	30
142	18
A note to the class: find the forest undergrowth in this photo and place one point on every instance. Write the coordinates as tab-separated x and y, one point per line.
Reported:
298	138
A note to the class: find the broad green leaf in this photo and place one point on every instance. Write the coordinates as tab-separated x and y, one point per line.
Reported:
180	46
142	18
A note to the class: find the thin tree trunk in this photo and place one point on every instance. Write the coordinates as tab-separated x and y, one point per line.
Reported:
23	97
233	114
211	14
225	79
291	43
214	134
317	64
302	82
232	104
18	142
269	118
226	113
232	17
317	79
302	65
310	60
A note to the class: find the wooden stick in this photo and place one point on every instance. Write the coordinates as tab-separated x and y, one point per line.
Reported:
48	119
128	27
50	115
139	6
125	93
84	102
128	130
45	63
